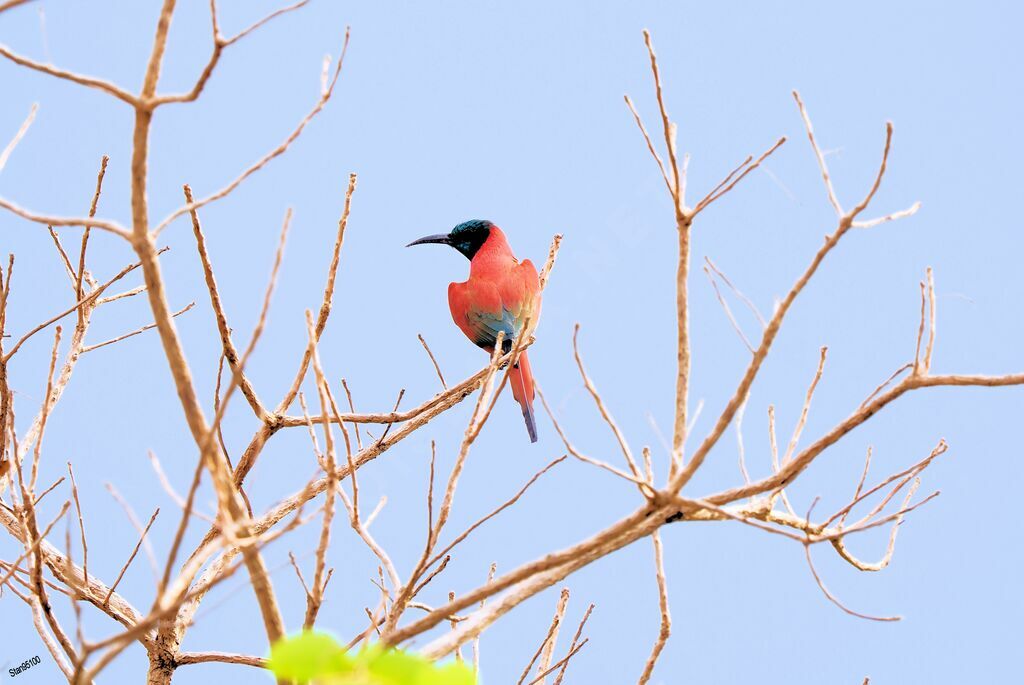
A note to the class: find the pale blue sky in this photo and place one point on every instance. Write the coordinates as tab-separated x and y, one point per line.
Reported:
464	110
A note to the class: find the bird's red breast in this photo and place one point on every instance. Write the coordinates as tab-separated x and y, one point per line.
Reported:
502	294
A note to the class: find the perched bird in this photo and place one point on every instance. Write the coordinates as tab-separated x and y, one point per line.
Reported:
502	295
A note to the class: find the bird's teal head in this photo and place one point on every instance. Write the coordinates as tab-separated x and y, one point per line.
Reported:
468	237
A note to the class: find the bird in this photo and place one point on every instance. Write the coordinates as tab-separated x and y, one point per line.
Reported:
502	295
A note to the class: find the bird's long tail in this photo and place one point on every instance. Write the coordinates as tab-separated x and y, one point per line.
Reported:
522	390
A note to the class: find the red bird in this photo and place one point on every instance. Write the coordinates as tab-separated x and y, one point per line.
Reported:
500	295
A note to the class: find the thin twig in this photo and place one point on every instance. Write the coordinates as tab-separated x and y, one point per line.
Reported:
639	482
835	600
650	145
508	503
931	321
88	81
665	627
605	414
219	43
549	263
352	408
47	491
230	351
799	428
64	259
549	638
728	312
44	411
147	327
432	360
135	524
573	645
81	275
561	663
818	155
131	557
325	95
746	300
725	186
549	647
22	130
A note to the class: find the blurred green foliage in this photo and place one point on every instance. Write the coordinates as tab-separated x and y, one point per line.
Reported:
313	657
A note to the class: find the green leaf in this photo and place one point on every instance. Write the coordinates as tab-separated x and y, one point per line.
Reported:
307	656
318	657
454	673
395	667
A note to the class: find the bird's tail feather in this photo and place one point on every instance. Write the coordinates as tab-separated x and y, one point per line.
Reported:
522	390
531	425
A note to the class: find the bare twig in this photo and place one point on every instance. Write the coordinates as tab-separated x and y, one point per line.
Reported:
430	354
44	412
832	598
81	274
143	329
726	185
314	597
644	486
728	312
665	627
740	449
931	321
47	491
547	644
230	351
30	547
88	81
902	214
476	643
549	263
549	647
508	503
668	128
605	414
64	259
561	663
352	408
219	43
884	384
186	658
573	645
93	296
11	4
650	145
130	513
795	438
47	220
22	130
746	300
325	95
131	557
818	155
328	298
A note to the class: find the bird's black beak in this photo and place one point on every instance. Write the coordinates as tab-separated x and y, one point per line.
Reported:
442	238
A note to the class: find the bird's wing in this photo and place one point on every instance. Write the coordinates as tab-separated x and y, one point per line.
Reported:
482	309
520	294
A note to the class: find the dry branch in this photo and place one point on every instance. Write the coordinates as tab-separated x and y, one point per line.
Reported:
131	557
327	90
574	646
22	130
433	361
